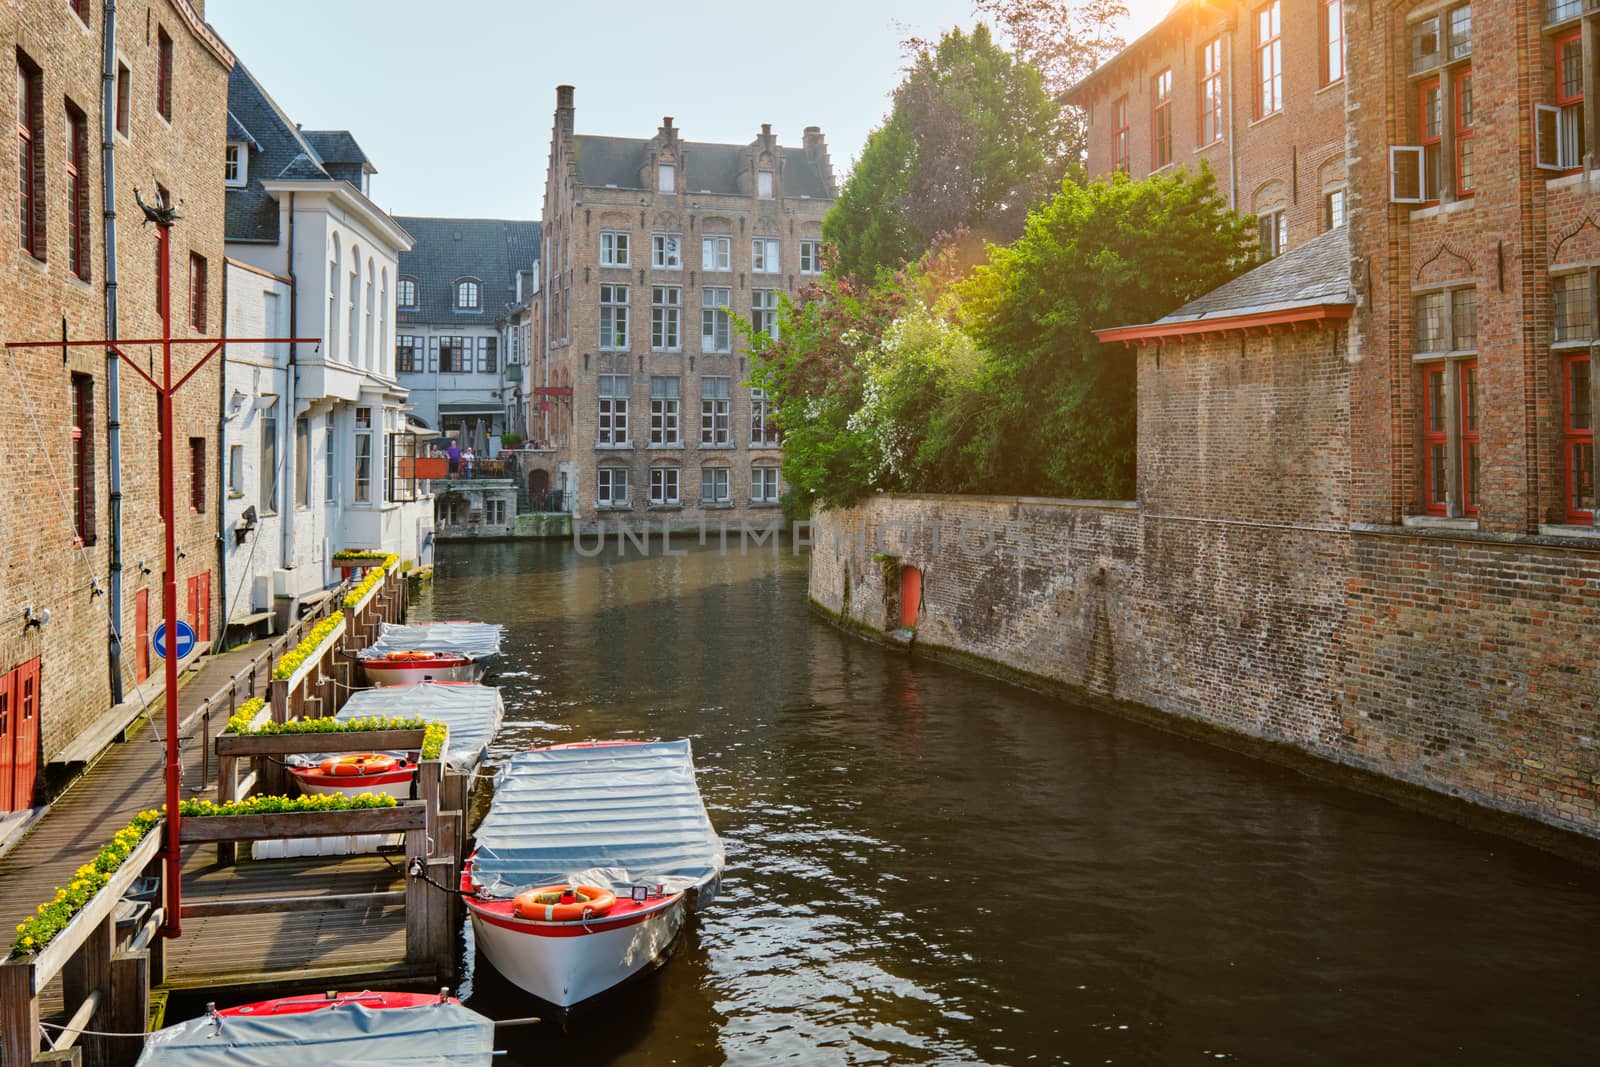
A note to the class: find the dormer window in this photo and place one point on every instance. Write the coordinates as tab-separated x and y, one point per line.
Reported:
666	178
467	295
235	168
406	293
764	184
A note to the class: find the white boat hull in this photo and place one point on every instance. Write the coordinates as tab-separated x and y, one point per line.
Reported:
354	786
567	970
380	672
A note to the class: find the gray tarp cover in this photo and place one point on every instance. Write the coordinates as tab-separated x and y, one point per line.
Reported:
627	814
472	712
437	1034
475	640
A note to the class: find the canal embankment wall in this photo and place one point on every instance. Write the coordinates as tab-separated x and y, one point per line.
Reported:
1236	598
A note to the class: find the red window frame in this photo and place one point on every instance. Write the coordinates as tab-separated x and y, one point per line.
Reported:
1469	411
1121	135
1161	120
1577	450
197	291
1269	59
30	148
1425	139
1332	41
1210	92
1563	99
77	193
83	458
1435	441
1461	96
164	74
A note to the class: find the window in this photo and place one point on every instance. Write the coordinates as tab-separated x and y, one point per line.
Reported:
488	355
666	178
406	293
1269	61
810	257
1431	126
764	256
664	411
494	512
714	486
1333	208
405	354
763	432
163	74
269	458
302	462
1572	318
236	470
664	486
1428	50
79	8
666	251
433	355
77	203
1445	322
613	249
764	184
330	490
363	456
235	165
1561	133
764	311
763	485
613	316
30	156
403	468
1121	135
613	429
1465	176
197	290
124	97
716	253
715	428
612	487
453	357
1332	41
1578	437
1445	338
715	329
83	458
666	309
1211	91
467	295
1274	232
1161	120
197	474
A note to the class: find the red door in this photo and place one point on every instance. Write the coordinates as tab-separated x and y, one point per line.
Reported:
202	625
19	736
193	612
141	636
910	597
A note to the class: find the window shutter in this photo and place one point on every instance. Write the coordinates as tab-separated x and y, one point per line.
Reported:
1547	137
1405	174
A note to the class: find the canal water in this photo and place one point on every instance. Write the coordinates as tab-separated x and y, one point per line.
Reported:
930	867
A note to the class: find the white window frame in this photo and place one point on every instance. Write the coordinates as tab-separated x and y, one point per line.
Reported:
764	487
762	433
666	178
611	487
764	312
666	429
399	296
461	295
666	318
666	251
714	321
236	165
615	249
1417	185
716	254
613	317
765	255
666	486
810	257
720	494
1553	127
766	183
716	412
611	430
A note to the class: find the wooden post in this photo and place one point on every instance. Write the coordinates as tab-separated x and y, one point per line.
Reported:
428	778
227	790
418	897
130	1004
73	1056
89	972
441	932
19	1014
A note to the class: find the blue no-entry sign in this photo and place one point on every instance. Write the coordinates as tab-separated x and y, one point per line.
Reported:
186	639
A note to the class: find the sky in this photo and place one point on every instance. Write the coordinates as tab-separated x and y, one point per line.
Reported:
455	110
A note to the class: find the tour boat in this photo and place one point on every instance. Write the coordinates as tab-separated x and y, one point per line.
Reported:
588	863
354	773
430	652
366	1027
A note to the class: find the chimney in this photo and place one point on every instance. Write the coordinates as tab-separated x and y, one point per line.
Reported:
564	108
816	148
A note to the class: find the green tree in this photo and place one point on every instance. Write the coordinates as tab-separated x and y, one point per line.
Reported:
972	141
1057	412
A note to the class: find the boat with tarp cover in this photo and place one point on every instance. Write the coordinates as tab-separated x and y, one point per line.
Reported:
587	864
430	652
407	1029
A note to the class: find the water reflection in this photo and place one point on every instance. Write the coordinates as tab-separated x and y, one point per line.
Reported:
928	867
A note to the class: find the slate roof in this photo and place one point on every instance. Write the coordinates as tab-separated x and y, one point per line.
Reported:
710	168
1315	273
490	250
279	149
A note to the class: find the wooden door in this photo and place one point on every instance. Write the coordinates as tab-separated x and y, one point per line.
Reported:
141	635
8	692
202	629
24	734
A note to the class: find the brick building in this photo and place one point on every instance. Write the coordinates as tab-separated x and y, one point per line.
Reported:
1253	90
82	533
651	246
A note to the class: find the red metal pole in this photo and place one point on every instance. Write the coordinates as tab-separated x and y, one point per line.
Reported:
169	590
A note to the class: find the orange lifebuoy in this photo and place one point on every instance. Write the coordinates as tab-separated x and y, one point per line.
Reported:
358	765
412	654
563	903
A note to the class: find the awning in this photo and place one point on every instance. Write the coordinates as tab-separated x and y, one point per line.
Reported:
471	407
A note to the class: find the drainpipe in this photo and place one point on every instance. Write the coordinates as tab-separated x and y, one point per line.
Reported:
108	194
217	642
286	504
1233	150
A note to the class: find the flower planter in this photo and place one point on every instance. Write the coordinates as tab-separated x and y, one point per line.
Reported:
294	680
213	828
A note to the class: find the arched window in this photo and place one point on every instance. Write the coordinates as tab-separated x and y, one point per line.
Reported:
330	332
352	298
385	350
406	292
467	294
369	361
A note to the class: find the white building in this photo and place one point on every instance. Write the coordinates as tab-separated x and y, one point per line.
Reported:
314	432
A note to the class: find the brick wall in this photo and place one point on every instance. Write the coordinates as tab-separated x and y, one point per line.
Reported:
38	563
